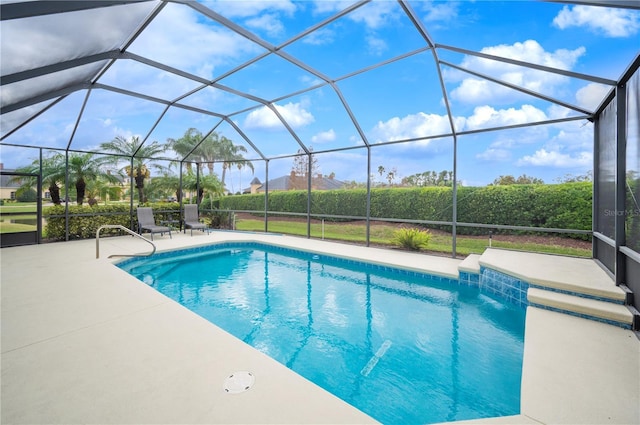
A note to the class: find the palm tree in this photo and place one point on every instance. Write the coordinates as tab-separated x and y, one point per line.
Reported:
184	145
208	184
26	182
170	184
206	152
232	155
212	186
103	189
83	167
52	174
210	149
140	155
189	184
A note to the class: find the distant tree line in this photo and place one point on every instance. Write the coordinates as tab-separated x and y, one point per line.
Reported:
429	178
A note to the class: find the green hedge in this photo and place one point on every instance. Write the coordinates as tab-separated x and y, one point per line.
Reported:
427	203
565	206
84	220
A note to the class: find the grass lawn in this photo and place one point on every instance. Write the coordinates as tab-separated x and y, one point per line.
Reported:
383	234
18	207
6	227
29	208
380	234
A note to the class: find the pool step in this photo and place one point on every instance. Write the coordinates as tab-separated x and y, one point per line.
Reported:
602	311
575	286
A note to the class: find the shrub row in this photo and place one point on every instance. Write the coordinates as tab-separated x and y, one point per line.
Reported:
84	220
565	206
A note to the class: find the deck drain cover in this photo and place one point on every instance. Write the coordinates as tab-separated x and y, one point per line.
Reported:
238	382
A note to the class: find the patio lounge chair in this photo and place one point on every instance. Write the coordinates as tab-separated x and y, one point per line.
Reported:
191	219
147	222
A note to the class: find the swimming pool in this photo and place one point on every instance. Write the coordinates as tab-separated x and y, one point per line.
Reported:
400	346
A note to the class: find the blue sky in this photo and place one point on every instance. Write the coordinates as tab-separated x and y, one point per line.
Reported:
400	100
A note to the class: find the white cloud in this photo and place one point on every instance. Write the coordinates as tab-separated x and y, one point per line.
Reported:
572	136
421	125
244	9
324	136
440	11
473	90
356	140
563	145
375	45
544	158
126	133
494	154
293	113
269	23
610	22
320	37
501	149
411	127
591	95
375	15
487	116
324	7
557	112
308	80
191	44
143	79
528	51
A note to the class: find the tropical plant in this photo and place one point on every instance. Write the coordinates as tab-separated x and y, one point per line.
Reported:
195	147
212	187
141	157
168	184
186	145
189	184
208	184
232	155
411	238
53	171
84	167
103	189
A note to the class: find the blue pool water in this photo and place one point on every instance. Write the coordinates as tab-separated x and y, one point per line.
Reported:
402	347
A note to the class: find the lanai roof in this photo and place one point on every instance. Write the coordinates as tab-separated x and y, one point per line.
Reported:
279	77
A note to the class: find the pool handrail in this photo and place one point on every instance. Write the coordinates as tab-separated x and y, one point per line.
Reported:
132	233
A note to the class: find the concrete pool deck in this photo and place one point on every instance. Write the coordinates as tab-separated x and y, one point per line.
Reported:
84	342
